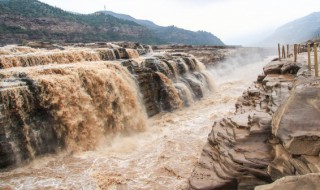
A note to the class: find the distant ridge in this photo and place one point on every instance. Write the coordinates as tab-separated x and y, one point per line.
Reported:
25	20
297	31
32	20
172	34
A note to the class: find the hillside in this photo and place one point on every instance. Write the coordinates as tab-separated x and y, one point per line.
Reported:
23	20
297	31
31	20
172	34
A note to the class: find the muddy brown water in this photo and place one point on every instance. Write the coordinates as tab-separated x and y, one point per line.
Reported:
162	157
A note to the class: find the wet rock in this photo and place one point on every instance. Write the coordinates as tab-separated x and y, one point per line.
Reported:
290	68
154	75
140	48
261	77
37	117
273	67
24	125
169	97
281	67
132	53
196	86
6	155
253	92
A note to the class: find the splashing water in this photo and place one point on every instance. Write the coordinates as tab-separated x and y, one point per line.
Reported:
185	93
71	106
162	157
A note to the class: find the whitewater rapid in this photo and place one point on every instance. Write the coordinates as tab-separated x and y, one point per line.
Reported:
162	157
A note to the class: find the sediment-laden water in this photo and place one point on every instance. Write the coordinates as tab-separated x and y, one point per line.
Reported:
161	157
75	99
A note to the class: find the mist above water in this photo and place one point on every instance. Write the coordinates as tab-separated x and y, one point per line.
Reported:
73	98
243	65
162	157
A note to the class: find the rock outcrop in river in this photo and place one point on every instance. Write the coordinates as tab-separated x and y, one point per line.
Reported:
72	97
273	133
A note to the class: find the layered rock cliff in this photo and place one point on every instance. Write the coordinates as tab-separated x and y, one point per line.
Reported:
272	134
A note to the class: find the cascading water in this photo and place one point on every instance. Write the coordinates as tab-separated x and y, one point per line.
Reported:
66	99
185	93
72	55
73	102
69	106
161	157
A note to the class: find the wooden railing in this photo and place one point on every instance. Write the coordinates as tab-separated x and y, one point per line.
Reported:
297	49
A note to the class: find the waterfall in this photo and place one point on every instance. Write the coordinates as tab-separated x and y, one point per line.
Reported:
72	107
64	57
73	99
185	93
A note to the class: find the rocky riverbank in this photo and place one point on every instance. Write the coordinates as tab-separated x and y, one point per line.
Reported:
272	134
160	157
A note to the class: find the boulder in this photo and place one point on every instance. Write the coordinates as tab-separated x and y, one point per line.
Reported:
273	67
305	182
295	127
297	122
290	68
261	77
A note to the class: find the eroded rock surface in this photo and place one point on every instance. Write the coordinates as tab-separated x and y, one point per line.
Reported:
262	142
296	130
308	181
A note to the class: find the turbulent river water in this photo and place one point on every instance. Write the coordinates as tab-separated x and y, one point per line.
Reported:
162	157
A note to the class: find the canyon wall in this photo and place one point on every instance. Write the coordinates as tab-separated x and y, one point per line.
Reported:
272	134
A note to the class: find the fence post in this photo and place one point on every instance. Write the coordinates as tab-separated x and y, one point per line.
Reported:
309	57
295	52
279	52
283	52
287	50
316	72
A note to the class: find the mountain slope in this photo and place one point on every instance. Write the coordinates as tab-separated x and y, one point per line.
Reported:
172	34
22	20
146	23
297	31
25	20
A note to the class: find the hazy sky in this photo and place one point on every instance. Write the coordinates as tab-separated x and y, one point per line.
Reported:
233	21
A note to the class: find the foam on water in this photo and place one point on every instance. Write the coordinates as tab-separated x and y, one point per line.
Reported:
162	157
